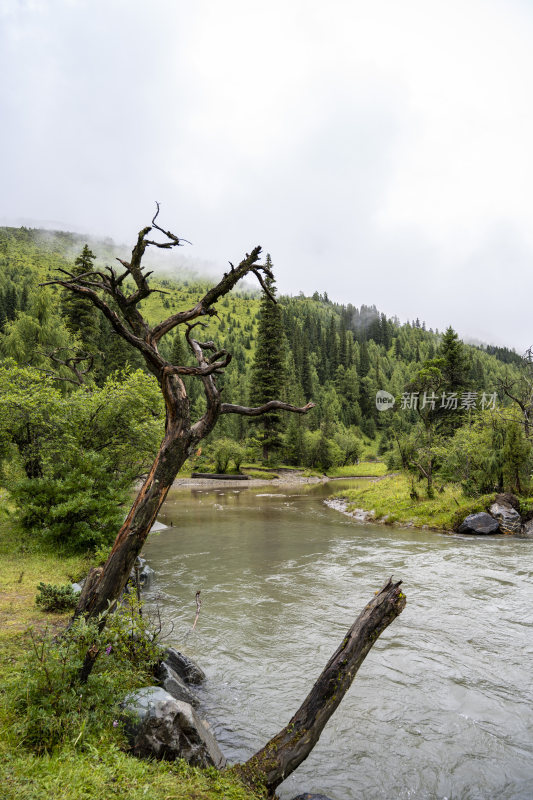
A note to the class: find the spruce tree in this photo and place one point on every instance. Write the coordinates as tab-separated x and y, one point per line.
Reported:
81	317
364	359
267	371
306	372
178	356
455	369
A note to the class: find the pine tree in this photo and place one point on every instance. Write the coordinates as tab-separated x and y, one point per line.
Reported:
177	352
516	459
455	369
267	371
81	317
364	359
307	385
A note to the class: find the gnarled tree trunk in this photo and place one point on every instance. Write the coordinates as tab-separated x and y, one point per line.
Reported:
181	435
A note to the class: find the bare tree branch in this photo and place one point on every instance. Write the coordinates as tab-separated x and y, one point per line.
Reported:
175	241
204	306
273	405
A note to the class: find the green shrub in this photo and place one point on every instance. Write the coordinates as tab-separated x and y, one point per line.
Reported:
80	511
56	598
53	708
226	450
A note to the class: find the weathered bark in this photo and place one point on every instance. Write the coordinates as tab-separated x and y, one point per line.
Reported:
286	751
173	452
181	435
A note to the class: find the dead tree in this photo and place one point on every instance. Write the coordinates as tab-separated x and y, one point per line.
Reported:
285	752
111	292
72	361
520	391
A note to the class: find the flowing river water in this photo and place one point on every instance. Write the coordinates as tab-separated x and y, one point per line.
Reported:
443	705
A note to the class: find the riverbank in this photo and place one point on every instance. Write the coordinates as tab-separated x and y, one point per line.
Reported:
390	502
286	477
92	764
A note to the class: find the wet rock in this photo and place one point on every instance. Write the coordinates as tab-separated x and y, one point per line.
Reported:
311	797
158	726
508	499
185	667
527	529
174	685
509	519
481	523
146	573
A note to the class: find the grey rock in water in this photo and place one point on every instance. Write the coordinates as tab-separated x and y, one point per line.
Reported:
509	519
158	726
187	670
481	523
311	797
174	685
146	573
527	528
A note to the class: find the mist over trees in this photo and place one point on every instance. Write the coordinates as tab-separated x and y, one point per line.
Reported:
299	349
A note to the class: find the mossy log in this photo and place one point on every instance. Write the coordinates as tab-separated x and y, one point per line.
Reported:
285	752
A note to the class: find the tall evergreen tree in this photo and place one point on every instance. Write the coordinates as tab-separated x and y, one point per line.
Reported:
177	353
455	368
81	317
364	359
267	372
306	372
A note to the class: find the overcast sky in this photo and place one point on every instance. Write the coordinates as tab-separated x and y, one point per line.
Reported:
380	150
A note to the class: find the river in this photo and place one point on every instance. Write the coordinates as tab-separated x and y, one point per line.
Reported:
443	705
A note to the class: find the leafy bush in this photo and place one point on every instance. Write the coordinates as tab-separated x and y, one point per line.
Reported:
227	450
54	708
56	598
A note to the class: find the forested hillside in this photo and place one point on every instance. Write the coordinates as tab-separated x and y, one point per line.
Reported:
299	349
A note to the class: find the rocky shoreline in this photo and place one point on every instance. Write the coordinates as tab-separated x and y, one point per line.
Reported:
358	514
162	721
213	483
502	517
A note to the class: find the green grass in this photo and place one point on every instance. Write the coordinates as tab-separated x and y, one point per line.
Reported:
97	769
24	565
263	475
390	498
372	469
107	772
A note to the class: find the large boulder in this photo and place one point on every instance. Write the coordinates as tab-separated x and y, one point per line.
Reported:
306	796
481	523
158	726
174	685
185	667
527	528
509	519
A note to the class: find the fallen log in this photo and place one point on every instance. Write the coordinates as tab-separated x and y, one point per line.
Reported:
285	752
